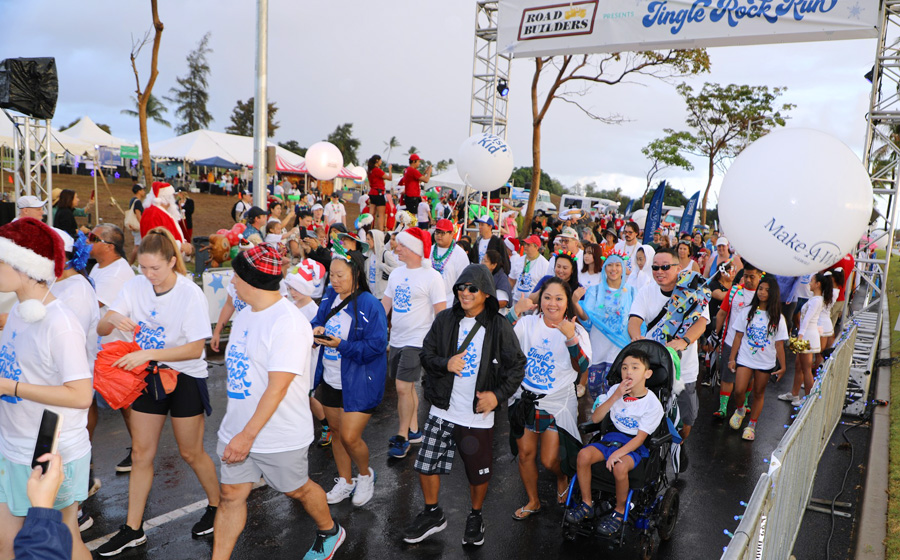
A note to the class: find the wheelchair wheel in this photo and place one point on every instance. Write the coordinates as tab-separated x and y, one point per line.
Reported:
647	546
668	514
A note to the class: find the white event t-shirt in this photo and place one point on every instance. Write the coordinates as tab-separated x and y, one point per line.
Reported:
462	398
630	414
648	302
757	349
254	350
532	271
739	306
173	319
549	366
238	303
337	326
309	312
414	292
78	295
108	282
47	352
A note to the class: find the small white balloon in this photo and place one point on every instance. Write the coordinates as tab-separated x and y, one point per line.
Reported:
324	161
484	162
360	172
795	202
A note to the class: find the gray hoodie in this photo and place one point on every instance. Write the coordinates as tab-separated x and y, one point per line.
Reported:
373	257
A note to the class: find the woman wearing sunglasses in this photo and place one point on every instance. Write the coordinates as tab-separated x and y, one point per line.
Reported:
171	316
545	408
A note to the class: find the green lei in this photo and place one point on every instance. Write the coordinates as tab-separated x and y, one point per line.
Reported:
439	262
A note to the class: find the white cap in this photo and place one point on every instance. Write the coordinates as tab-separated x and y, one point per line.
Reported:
29	202
721	241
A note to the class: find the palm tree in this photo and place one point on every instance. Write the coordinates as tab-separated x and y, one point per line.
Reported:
391	144
155	110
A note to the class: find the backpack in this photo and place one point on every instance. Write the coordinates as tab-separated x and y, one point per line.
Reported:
131	221
234	211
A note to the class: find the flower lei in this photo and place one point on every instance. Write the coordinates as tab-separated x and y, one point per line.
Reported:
81	251
440	262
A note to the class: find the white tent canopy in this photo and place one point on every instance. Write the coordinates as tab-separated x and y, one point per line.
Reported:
87	132
60	141
448	178
203	144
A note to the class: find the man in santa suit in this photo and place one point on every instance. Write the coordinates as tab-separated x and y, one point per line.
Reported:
161	210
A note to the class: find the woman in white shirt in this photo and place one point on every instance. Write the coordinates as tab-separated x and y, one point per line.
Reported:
685	262
171	317
43	365
558	351
590	270
808	329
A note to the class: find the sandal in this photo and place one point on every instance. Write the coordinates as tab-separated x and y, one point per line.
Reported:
749	433
611	524
579	512
524	513
561	496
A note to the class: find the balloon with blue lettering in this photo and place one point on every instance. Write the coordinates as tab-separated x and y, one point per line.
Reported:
484	162
795	202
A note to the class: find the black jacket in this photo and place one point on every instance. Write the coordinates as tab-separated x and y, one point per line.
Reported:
496	244
502	361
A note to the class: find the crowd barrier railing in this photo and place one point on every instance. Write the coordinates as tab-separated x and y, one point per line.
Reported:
775	511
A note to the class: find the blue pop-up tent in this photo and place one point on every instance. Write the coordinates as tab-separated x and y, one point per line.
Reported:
217	161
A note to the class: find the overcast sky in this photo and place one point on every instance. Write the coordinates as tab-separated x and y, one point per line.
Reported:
404	68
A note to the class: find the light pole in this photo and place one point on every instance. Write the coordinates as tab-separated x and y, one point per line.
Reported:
260	109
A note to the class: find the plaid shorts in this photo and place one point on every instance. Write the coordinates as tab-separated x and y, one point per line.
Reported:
542	422
441	439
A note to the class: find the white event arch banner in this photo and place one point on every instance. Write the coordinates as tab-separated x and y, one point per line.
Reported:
530	28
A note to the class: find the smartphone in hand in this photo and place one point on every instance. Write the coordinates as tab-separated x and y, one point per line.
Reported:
47	439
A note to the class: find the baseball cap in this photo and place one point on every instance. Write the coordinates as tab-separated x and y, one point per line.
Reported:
444	225
29	202
568	233
721	241
533	239
317	206
255	211
414	157
485	219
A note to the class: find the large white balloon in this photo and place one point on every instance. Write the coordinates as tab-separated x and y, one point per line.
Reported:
795	202
324	161
484	162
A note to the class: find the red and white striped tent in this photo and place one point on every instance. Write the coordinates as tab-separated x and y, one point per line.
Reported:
285	166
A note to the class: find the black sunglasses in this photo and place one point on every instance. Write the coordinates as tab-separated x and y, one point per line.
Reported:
93	238
661	266
467	287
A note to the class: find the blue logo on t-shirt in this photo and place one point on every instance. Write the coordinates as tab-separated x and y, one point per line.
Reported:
627	421
757	336
239	304
525	283
149	338
470	358
539	370
372	272
238	366
402	298
332	328
9	367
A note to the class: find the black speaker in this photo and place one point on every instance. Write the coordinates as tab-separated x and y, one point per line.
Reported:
29	86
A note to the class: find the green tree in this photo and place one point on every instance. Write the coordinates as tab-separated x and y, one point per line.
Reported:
572	75
242	119
155	110
522	177
70	125
664	153
104	127
293	146
191	95
390	145
443	165
342	137
724	119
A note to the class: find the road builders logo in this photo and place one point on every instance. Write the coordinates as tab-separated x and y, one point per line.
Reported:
824	253
559	20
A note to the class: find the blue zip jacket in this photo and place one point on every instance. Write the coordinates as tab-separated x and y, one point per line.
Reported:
363	352
43	537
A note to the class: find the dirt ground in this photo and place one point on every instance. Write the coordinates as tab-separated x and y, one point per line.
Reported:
211	212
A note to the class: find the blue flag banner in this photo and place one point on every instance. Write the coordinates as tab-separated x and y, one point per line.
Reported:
687	217
628	208
654	212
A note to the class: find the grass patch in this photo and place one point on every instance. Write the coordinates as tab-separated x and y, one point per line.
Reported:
893	528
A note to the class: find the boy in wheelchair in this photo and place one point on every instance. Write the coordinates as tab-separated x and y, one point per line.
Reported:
635	412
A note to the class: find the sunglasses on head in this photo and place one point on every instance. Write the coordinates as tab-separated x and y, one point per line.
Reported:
93	238
661	266
466	287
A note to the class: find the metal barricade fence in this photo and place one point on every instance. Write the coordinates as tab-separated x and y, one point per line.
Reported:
774	513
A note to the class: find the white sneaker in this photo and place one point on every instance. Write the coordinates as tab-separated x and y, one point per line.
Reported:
798	401
788	397
341	491
365	488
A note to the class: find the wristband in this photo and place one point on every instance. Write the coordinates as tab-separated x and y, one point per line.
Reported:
686	340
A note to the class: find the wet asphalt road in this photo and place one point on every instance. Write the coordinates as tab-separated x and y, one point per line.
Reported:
724	469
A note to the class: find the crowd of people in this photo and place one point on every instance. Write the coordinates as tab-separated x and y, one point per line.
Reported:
324	313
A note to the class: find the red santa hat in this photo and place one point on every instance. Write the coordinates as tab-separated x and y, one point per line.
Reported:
512	243
154	216
34	249
161	187
416	240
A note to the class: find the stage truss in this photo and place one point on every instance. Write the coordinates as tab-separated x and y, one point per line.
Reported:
32	164
488	108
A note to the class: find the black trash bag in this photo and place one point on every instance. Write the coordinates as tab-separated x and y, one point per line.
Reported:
29	86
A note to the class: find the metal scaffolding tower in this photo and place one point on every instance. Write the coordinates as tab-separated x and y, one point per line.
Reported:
32	164
488	109
882	159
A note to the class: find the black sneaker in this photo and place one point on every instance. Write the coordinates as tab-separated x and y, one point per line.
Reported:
205	525
125	464
125	538
474	534
85	521
426	524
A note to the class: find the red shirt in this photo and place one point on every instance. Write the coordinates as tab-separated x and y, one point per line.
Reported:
390	215
412	176
846	264
376	181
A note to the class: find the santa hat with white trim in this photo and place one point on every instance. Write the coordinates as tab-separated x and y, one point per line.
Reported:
416	240
34	249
